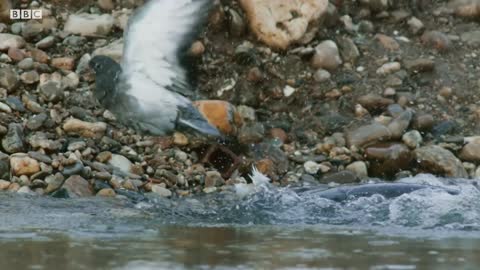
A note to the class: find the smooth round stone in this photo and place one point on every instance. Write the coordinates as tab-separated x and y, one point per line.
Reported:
412	139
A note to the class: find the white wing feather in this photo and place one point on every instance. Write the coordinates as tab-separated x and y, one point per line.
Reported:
152	40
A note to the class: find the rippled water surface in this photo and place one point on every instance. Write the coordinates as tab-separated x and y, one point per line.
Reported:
269	228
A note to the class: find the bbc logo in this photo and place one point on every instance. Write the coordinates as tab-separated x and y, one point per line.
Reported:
17	14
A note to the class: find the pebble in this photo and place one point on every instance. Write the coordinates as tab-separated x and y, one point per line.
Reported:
45	42
4	184
415	25
436	40
31	29
321	75
387	42
30	77
36	122
22	164
120	162
8	41
471	152
77	187
367	134
162	191
341	177
26	64
89	24
359	168
374	101
437	160
400	124
387	159
13	141
311	167
389	68
106	192
412	139
85	129
54	182
326	56
66	63
8	79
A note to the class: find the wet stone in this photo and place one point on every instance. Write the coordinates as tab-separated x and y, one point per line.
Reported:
342	177
213	178
470	152
4	166
359	168
368	134
400	124
106	192
423	122
30	77
40	157
76	186
374	102
13	141
437	160
419	65
4	184
387	159
251	133
162	191
412	139
75	169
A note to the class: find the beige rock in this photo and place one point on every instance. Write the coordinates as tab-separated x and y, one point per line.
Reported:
22	164
11	41
106	192
279	23
326	56
4	184
85	129
89	24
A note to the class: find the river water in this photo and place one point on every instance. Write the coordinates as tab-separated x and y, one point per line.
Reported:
267	228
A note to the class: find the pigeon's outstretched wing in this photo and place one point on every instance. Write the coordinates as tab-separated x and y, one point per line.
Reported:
156	37
153	40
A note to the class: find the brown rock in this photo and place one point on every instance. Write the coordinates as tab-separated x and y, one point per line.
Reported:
279	134
197	48
419	65
76	187
437	160
387	159
423	122
436	40
470	152
368	134
387	42
17	55
180	139
279	23
4	184
466	8
220	114
67	63
38	55
106	4
106	192
400	124
22	164
374	102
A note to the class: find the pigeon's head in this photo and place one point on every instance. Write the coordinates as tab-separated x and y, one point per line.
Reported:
102	64
106	73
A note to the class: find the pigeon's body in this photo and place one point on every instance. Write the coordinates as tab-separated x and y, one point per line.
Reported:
147	92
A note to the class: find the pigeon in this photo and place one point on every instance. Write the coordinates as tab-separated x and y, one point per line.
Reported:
150	90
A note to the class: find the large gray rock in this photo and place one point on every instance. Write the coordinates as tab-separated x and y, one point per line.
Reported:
77	186
13	141
8	79
368	134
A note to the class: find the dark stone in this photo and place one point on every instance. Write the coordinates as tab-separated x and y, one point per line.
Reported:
61	194
40	157
77	186
387	159
75	169
342	177
36	122
445	127
4	166
15	103
13	141
99	185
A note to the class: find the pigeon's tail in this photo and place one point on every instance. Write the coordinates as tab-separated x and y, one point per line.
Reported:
189	118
